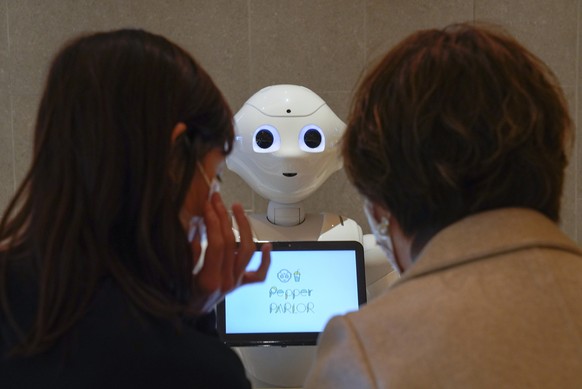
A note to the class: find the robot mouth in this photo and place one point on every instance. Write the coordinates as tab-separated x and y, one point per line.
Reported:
289	174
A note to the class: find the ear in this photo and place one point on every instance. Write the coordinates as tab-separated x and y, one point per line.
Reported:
380	212
178	130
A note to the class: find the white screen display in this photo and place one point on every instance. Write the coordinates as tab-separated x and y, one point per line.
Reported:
302	291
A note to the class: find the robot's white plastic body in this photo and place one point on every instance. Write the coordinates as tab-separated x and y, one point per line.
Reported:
285	144
286	147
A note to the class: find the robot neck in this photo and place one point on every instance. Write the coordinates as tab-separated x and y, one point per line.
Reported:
286	215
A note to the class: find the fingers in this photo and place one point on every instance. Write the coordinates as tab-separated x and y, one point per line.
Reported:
224	264
247	246
261	273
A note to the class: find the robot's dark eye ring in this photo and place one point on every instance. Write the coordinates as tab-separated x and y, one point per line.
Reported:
266	139
312	139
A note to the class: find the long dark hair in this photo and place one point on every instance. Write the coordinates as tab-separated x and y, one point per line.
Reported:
103	194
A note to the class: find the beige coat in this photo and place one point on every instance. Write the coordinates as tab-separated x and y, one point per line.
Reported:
493	301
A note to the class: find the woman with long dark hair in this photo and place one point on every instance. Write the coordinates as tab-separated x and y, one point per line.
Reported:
103	278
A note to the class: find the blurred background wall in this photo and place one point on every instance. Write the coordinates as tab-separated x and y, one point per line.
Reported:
246	45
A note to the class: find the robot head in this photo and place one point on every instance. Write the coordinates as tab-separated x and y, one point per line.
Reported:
286	143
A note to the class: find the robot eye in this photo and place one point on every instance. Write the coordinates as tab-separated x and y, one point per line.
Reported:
312	139
266	139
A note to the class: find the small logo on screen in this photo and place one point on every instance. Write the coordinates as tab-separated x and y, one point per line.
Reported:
297	275
284	275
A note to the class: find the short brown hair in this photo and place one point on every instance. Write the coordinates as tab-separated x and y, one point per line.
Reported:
457	121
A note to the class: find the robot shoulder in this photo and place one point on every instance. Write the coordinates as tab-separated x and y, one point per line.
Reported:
337	227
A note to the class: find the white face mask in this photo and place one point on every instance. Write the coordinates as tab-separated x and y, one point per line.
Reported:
197	226
380	231
197	222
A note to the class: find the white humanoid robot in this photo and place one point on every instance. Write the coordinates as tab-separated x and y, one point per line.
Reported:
286	146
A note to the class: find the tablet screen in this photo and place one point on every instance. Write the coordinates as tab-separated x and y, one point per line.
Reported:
307	284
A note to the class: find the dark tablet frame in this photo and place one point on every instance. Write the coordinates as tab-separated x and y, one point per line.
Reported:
294	338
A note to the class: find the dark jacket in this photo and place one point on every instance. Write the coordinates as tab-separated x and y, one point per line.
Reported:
115	345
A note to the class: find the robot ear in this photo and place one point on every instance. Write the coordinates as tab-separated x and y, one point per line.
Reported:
266	139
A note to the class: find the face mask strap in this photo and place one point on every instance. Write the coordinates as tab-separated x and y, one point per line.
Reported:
213	185
208	182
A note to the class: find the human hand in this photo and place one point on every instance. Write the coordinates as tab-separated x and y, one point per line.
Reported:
225	261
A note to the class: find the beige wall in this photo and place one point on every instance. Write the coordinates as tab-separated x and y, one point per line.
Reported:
248	44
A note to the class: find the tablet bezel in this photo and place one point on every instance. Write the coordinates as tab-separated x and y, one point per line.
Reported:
294	338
